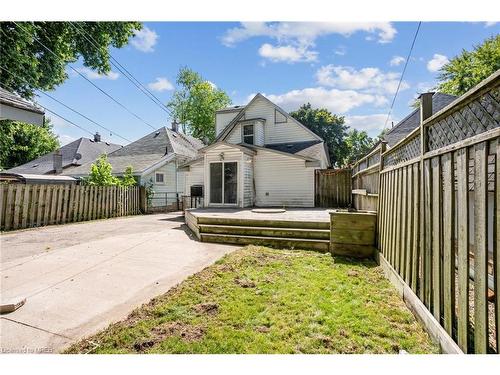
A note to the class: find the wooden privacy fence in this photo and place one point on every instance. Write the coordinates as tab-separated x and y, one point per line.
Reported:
24	206
332	188
439	214
365	180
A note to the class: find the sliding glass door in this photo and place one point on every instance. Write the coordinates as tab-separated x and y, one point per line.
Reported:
224	183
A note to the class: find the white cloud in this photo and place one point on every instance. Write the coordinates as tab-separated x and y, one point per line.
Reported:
341	51
64	139
337	101
437	62
368	123
306	32
490	23
296	39
91	74
372	80
397	60
160	84
145	39
287	53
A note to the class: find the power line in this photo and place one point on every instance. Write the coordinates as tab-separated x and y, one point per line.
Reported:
68	107
123	70
8	88
88	80
402	74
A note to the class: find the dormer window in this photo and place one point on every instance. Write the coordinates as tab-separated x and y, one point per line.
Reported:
248	134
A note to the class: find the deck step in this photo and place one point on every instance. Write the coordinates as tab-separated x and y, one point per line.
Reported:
268	223
320	234
291	243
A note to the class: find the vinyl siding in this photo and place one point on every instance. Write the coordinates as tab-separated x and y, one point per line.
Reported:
193	177
289	131
235	135
170	185
248	195
222	119
286	180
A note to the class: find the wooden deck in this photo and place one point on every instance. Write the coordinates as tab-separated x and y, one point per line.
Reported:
291	214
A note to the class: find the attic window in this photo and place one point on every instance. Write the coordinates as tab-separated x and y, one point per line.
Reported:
279	117
248	134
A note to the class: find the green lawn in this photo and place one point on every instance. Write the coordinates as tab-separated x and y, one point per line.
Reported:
260	300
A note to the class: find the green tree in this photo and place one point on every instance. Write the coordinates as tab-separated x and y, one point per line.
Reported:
100	173
36	68
358	144
21	142
194	103
466	70
128	178
328	126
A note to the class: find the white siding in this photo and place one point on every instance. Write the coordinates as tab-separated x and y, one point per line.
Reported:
169	179
235	135
289	131
248	194
259	133
282	181
195	176
222	119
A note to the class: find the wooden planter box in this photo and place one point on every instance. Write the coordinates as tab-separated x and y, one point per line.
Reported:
352	233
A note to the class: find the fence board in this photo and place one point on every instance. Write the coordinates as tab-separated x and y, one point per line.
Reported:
25	206
481	248
496	254
416	260
333	188
427	230
448	242
409	223
17	205
436	237
462	249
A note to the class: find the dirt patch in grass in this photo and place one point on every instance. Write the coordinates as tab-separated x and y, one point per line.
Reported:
260	300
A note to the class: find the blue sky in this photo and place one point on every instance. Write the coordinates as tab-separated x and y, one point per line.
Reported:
350	68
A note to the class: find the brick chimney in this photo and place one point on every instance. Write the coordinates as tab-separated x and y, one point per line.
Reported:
175	126
57	161
97	137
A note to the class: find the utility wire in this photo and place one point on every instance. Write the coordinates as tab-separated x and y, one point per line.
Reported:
8	88
88	80
402	74
68	107
123	70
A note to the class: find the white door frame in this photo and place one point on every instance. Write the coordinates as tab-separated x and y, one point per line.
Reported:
237	184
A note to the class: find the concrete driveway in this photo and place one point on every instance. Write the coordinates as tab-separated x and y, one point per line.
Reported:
79	278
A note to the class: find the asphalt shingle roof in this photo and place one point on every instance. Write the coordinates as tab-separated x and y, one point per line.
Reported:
147	151
76	153
412	121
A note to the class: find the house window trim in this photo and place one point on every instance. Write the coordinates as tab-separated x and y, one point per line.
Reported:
243	134
276	111
163	178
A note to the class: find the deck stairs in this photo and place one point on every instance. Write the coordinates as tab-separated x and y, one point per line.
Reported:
308	235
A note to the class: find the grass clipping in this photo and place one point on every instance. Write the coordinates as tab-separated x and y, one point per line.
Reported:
260	300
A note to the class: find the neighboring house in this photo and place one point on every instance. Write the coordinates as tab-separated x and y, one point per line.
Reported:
154	159
66	158
13	107
412	121
261	157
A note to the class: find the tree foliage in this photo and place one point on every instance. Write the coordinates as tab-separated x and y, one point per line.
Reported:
358	144
194	103
466	70
128	178
21	142
36	68
328	126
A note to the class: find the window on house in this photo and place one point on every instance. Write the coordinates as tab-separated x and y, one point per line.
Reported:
279	117
160	178
248	134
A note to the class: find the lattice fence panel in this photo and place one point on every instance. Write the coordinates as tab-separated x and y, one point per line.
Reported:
476	117
408	151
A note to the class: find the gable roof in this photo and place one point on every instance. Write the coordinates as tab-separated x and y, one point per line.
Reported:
76	153
229	127
152	149
412	121
13	100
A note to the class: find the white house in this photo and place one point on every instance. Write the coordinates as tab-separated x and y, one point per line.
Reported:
261	157
154	159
